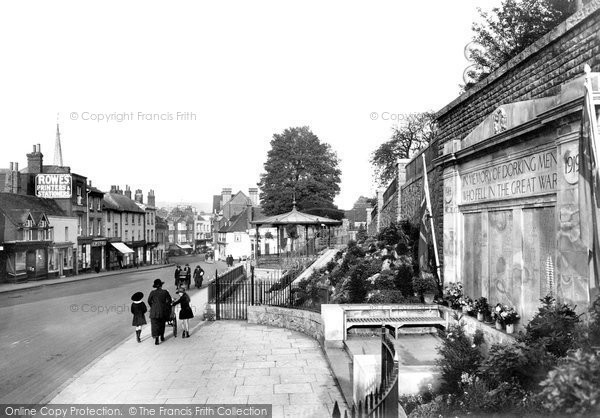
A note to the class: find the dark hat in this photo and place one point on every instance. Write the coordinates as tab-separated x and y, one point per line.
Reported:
137	296
158	283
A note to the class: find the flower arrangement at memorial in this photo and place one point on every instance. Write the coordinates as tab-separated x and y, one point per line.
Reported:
482	308
452	294
467	305
509	315
505	314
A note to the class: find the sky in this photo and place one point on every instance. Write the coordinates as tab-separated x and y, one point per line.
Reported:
184	97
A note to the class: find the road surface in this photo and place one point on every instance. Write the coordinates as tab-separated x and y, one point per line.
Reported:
51	333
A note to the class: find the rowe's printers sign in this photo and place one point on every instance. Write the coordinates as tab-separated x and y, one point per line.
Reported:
53	186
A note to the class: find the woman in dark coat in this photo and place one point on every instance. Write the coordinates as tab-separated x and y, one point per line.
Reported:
138	309
185	314
160	310
198	276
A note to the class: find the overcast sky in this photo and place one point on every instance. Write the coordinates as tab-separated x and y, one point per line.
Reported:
243	70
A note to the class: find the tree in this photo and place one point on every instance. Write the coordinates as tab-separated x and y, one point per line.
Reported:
415	132
509	29
299	164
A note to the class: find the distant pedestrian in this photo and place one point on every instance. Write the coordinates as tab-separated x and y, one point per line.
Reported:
160	310
185	313
188	276
198	276
138	309
177	276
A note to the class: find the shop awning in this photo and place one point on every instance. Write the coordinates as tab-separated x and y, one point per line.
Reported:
185	246
124	249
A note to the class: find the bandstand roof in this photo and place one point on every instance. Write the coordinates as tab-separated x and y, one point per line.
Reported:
295	217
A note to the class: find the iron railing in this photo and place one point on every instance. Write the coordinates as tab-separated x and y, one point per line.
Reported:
233	292
383	402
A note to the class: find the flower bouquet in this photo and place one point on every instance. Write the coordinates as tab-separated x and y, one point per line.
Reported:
453	293
466	304
482	307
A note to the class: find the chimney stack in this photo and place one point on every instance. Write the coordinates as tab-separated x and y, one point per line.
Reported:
225	196
127	191
253	191
151	199
35	160
139	196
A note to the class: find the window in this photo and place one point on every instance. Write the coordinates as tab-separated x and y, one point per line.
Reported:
126	219
108	232
139	235
91	203
66	233
98	232
126	235
28	235
116	229
98	204
139	219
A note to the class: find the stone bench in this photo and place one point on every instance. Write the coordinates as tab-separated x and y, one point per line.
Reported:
394	317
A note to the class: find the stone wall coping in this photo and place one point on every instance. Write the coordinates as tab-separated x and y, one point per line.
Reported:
501	334
366	306
564	27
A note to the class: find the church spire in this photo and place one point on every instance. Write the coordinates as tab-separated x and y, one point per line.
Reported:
58	159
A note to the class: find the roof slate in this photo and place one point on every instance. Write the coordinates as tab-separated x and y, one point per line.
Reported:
17	207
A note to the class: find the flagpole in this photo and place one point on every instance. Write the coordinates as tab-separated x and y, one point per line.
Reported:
428	202
591	195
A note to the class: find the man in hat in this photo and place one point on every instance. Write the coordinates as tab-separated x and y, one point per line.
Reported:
160	310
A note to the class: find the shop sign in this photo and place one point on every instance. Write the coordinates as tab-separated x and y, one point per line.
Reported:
53	186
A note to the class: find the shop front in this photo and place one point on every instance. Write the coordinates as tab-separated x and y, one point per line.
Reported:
511	224
25	261
60	259
84	254
98	262
118	256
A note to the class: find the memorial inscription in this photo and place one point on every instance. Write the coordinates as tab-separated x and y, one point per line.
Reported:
526	176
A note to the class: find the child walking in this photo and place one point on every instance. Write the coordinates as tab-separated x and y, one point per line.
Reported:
138	309
185	313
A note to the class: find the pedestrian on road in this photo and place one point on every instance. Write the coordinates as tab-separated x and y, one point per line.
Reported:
198	276
160	310
138	309
188	276
177	275
185	313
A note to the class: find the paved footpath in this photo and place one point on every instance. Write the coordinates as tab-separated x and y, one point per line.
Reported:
222	362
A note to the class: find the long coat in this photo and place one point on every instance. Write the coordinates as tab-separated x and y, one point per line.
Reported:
139	310
186	311
160	304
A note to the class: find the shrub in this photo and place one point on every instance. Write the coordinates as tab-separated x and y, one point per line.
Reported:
425	283
390	235
516	363
357	287
573	387
330	266
553	326
458	354
404	276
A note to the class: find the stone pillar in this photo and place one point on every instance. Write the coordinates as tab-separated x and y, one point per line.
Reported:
401	173
453	230
379	208
571	272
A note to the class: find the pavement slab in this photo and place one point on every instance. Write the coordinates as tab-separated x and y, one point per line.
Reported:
222	362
